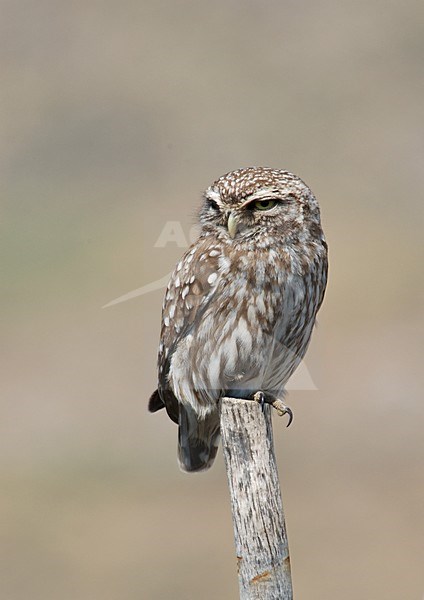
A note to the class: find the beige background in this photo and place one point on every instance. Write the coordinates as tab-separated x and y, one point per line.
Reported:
114	117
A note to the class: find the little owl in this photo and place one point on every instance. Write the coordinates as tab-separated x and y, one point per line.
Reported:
241	304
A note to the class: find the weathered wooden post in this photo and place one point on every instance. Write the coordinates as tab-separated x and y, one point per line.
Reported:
259	528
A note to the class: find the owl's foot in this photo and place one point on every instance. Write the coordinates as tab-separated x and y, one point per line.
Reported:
282	410
279	406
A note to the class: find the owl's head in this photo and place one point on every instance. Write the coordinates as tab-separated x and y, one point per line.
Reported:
249	202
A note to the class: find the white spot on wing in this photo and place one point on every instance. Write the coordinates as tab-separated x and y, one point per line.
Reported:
212	278
224	262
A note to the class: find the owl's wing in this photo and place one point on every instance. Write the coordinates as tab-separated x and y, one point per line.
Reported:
190	290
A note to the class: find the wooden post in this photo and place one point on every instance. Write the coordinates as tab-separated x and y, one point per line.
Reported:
258	518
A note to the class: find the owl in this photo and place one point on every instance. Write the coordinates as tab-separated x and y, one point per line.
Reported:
241	304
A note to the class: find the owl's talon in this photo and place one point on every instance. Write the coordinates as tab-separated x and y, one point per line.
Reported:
282	410
261	399
279	406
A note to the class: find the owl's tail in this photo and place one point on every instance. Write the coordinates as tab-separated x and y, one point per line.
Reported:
198	439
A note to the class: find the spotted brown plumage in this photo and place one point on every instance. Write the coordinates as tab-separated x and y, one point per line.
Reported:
240	306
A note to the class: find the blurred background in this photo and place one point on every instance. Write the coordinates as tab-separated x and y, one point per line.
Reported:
114	117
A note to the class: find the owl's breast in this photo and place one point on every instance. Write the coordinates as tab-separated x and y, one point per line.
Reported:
249	335
232	342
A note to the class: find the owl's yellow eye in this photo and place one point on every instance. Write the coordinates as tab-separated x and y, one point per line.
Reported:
264	204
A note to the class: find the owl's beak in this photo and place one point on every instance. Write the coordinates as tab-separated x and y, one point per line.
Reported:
232	225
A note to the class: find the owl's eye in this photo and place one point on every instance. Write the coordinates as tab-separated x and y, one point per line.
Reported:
212	204
264	204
